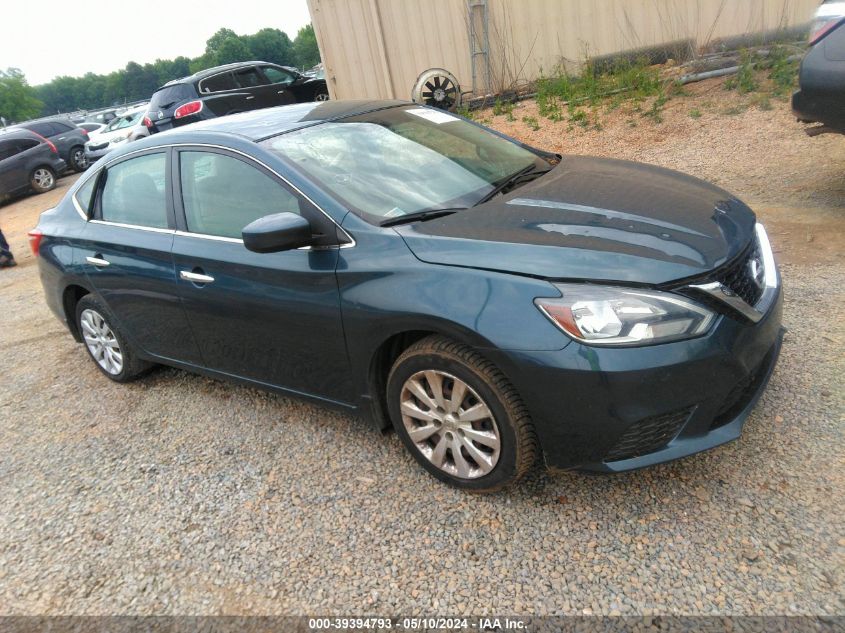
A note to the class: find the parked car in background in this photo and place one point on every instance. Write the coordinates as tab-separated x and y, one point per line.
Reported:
821	97
68	139
496	302
128	127
230	89
27	162
91	127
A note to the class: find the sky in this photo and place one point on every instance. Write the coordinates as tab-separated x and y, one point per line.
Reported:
73	38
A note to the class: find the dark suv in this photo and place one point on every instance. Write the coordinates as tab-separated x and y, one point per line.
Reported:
229	89
27	161
68	139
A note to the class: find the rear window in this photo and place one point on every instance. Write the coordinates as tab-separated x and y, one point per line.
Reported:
167	96
248	77
61	128
27	143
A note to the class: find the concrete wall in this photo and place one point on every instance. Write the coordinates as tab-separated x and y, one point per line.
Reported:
377	48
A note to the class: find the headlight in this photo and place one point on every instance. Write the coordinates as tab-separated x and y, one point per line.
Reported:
607	315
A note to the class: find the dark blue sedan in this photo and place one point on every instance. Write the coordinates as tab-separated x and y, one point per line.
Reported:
495	303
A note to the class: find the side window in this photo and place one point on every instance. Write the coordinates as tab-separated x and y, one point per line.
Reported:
7	149
27	143
248	78
217	83
222	194
277	75
134	192
44	129
61	128
84	196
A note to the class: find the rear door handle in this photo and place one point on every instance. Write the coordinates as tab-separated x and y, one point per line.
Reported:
252	97
196	278
99	262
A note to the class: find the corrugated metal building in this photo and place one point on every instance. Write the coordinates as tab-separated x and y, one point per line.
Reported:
378	48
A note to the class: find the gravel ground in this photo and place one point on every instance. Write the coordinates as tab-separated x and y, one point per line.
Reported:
182	495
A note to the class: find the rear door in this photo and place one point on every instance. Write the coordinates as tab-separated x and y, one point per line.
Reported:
253	86
221	94
125	250
274	317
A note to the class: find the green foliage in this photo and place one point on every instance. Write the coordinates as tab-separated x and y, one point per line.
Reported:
305	49
745	80
695	113
136	82
18	100
611	84
783	72
465	112
531	122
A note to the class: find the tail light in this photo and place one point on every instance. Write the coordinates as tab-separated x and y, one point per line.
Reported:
828	17
147	122
84	131
187	109
35	237
49	143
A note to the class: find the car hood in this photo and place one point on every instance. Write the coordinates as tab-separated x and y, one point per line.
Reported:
594	219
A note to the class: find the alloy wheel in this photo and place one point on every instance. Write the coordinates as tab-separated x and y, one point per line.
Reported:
321	96
101	341
80	161
450	424
43	178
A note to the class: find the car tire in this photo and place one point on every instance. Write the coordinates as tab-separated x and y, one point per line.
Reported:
106	345
454	437
76	159
321	94
42	179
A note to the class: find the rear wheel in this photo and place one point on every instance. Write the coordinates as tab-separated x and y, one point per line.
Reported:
459	416
77	159
42	179
322	94
107	347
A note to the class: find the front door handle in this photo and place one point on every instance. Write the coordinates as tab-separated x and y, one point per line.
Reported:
196	278
252	97
99	262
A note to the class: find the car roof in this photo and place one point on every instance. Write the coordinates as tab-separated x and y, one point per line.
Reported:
257	125
20	132
208	72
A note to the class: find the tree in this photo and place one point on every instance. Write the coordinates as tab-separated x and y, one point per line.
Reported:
17	98
271	45
213	43
232	49
305	48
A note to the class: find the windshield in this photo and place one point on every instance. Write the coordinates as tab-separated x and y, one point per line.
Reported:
396	162
127	120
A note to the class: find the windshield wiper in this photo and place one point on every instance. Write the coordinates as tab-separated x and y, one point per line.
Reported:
419	216
523	175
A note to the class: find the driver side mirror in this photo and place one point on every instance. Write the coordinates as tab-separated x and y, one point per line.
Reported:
277	232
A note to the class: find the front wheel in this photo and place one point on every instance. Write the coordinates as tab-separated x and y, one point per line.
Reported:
107	347
77	159
42	179
459	416
321	95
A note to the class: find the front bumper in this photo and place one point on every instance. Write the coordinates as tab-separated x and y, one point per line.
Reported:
612	410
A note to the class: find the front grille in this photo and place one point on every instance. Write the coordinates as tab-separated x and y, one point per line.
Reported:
648	435
737	275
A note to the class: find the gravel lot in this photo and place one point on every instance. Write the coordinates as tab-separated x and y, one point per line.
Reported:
182	495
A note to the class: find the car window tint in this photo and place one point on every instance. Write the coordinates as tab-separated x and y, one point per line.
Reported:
44	129
277	75
222	194
248	78
7	149
61	128
27	143
217	83
134	192
84	196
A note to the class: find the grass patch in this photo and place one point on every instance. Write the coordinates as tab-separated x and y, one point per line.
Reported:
625	80
531	122
695	113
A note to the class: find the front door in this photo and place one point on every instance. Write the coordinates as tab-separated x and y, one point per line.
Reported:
271	317
125	251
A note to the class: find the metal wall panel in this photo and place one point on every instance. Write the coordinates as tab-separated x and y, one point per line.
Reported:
377	48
